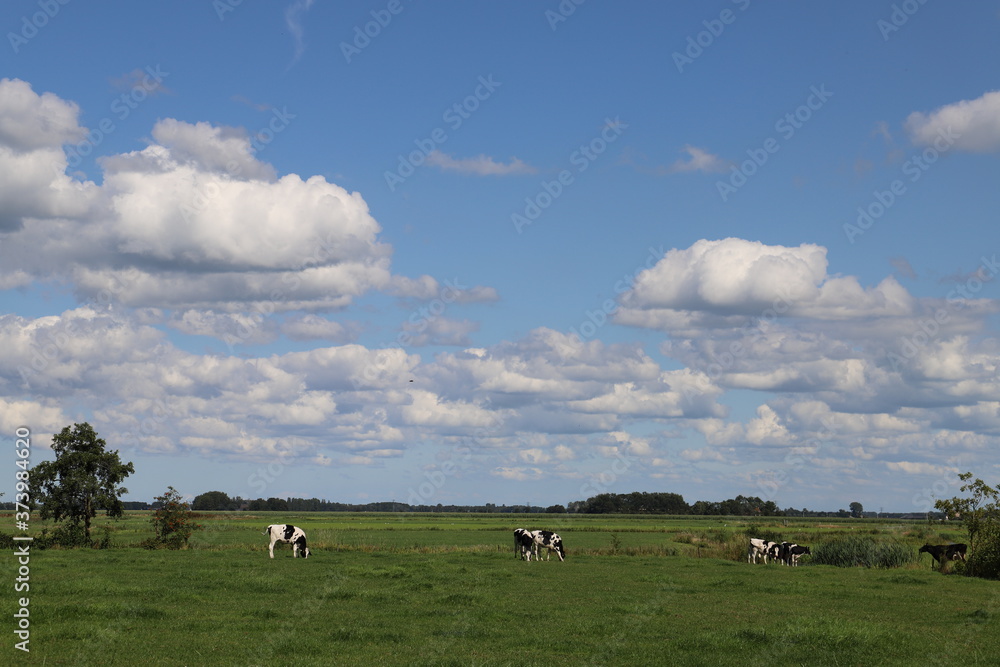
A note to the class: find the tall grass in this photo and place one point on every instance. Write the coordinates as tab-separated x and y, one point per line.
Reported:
864	551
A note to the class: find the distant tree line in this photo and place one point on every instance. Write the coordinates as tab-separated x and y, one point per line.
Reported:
673	503
214	501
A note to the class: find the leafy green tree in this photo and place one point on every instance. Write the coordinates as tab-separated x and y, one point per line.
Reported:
857	510
173	522
980	515
83	479
211	500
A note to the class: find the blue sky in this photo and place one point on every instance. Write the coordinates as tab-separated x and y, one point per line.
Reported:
708	248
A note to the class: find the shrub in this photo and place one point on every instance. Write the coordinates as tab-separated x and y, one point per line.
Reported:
855	550
984	561
980	515
173	522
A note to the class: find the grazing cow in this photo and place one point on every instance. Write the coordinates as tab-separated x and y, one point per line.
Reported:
936	551
524	541
758	548
794	552
289	534
942	552
956	551
548	540
779	552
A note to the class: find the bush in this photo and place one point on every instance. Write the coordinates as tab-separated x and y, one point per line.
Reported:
864	551
984	561
172	522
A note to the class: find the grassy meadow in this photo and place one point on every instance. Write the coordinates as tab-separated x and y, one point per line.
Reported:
446	589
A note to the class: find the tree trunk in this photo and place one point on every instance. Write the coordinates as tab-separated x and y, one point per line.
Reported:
86	518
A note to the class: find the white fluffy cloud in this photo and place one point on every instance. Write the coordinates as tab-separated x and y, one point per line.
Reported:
718	279
192	222
29	121
33	184
973	125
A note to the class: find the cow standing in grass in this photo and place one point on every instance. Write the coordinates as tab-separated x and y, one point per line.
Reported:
548	540
524	542
289	534
942	552
794	552
758	548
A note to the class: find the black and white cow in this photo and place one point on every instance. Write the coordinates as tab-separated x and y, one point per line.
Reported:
794	552
281	532
779	552
524	542
760	548
956	551
546	539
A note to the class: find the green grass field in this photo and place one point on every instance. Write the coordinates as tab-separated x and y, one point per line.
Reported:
388	589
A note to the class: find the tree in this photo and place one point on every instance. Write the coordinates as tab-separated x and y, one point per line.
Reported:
857	510
83	479
173	522
212	500
980	515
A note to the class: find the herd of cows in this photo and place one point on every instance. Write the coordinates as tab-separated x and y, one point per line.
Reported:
785	553
528	543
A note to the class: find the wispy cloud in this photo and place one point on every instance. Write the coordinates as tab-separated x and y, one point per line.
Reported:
146	79
294	23
481	165
250	103
699	160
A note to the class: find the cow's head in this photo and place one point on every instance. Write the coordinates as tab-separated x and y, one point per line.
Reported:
557	543
301	544
924	549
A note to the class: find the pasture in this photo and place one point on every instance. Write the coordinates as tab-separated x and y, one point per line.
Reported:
446	589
